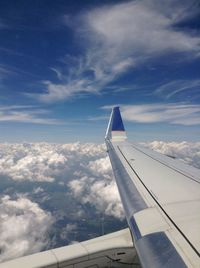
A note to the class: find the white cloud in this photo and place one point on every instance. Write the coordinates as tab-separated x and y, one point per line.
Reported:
33	162
46	162
23	227
65	90
26	114
85	168
176	87
119	37
174	113
140	28
95	185
101	193
58	73
100	166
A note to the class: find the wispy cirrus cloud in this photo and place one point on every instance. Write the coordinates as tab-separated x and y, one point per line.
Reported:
116	38
174	113
177	87
26	114
7	71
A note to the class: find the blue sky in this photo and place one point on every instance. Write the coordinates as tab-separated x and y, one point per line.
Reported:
64	64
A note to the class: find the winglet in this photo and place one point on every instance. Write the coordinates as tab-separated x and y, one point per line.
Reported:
115	130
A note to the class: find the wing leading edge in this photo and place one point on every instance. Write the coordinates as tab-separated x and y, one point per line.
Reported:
161	199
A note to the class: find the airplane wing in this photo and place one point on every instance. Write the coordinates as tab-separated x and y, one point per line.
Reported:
161	199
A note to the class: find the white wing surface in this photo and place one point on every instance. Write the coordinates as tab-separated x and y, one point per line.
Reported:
161	199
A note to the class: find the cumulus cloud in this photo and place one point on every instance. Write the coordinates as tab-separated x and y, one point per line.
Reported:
105	197
46	162
29	162
173	113
23	227
99	189
120	37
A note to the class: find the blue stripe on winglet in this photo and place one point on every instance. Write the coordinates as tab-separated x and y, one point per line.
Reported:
117	124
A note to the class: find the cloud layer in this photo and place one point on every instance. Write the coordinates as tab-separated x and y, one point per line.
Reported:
84	168
70	181
23	227
47	162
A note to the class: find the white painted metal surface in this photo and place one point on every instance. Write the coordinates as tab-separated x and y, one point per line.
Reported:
113	250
